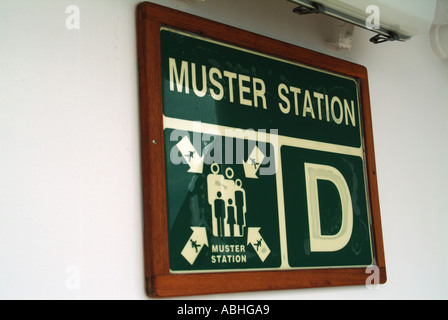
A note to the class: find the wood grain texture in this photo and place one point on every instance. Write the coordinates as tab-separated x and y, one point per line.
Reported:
159	281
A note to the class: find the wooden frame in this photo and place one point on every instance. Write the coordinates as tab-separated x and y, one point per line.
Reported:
159	281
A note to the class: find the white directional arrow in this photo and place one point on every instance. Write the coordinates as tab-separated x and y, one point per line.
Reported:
256	240
195	244
253	164
191	156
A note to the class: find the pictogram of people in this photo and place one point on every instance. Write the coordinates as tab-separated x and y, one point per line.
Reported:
240	203
231	217
220	208
227	199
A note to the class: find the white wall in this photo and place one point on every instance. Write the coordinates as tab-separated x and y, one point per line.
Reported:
70	193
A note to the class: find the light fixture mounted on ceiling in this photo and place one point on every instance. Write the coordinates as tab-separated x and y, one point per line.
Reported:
397	20
383	35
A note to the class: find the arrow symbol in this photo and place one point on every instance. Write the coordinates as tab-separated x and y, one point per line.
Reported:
190	155
195	244
256	240
252	165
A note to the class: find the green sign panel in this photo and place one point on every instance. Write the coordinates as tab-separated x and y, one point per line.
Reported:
265	166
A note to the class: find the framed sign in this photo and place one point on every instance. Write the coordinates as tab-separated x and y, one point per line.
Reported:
258	164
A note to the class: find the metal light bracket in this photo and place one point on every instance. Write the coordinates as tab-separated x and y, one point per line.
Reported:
311	7
303	9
